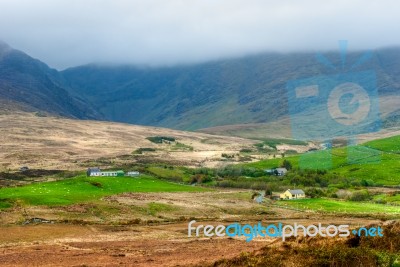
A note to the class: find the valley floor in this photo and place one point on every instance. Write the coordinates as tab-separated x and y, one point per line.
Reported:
152	242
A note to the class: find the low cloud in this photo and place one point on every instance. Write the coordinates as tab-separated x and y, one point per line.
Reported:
156	32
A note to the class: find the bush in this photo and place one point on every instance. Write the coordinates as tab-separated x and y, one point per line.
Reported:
227	156
362	195
315	192
143	149
160	139
96	184
200	178
286	164
367	182
343	194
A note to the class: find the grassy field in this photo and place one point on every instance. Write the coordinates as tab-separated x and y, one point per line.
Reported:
377	160
175	173
388	198
332	205
81	189
390	145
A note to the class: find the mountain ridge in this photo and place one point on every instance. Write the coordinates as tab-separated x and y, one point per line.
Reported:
30	83
244	90
234	91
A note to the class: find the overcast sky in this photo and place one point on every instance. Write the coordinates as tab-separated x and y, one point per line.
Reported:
66	33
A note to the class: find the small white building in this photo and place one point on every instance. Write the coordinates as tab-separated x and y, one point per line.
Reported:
280	171
98	172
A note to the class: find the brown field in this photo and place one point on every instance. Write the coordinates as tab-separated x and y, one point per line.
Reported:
138	229
160	239
59	143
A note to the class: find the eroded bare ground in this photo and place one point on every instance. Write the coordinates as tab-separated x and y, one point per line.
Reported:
157	239
60	143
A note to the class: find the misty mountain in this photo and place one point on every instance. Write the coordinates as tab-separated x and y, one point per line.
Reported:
243	90
251	89
29	84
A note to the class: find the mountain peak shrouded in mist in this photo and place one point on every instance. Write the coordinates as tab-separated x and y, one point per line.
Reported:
4	48
242	90
29	83
249	89
3	45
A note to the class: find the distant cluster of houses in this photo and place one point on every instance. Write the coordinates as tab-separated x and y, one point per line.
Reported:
119	173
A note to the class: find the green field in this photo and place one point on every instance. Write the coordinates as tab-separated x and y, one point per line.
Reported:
175	173
388	198
340	206
390	145
273	142
81	189
377	160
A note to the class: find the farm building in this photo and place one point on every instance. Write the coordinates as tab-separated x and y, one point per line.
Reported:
112	173
92	171
98	172
280	171
293	194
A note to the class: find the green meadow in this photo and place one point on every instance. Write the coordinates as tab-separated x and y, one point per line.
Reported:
340	206
82	188
378	160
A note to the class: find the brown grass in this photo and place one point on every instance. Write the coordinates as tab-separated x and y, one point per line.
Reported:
59	143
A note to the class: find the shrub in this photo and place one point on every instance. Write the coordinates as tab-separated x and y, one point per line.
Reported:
200	178
286	164
143	149
343	194
361	195
96	184
227	156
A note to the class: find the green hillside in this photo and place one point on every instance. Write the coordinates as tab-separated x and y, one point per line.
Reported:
378	160
82	188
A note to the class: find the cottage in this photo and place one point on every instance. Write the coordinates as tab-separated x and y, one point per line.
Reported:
93	171
280	171
112	173
293	194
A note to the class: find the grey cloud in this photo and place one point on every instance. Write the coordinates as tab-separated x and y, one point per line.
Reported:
163	32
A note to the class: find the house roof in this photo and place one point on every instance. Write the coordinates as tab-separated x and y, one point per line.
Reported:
281	169
95	169
296	191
